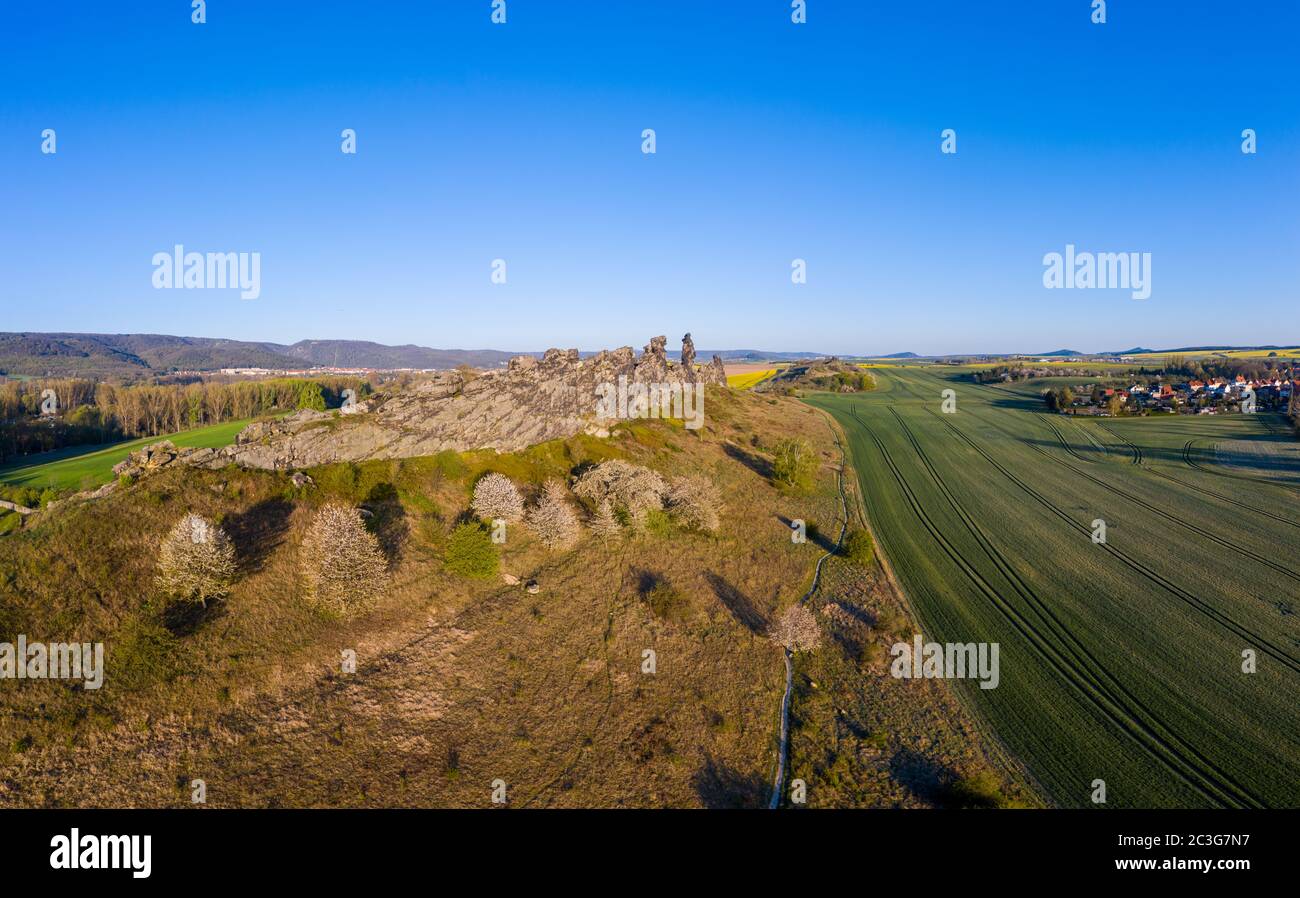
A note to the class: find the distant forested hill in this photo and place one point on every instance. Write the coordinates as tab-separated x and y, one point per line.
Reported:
142	355
363	354
129	355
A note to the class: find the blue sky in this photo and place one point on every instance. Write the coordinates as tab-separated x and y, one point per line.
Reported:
775	141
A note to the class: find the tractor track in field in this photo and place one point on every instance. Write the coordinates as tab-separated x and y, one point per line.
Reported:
1139	459
1177	591
1246	506
1105	449
1134	447
1069	447
1172	518
1129	712
1188	449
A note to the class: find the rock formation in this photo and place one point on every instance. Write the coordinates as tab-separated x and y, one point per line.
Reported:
532	400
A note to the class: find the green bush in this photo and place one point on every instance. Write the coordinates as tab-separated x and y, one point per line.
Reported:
979	790
857	547
666	602
657	523
470	552
21	495
794	463
310	396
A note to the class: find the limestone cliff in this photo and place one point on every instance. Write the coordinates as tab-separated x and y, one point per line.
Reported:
532	400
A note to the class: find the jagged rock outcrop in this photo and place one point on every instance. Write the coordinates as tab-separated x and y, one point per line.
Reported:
532	400
158	455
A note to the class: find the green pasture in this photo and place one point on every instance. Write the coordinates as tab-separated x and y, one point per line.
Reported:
86	467
1120	660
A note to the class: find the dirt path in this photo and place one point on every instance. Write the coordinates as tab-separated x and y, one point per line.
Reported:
778	782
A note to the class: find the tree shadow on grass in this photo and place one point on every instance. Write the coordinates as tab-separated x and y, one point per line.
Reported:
184	618
925	777
852	644
387	519
721	786
815	534
755	462
741	606
258	531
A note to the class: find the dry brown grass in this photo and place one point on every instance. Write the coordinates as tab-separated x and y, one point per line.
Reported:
459	682
860	737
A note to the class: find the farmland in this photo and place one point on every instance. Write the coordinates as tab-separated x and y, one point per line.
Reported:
1121	660
85	467
746	379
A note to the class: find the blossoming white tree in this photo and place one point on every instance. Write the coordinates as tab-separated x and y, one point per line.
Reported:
797	630
695	502
496	497
342	565
196	561
553	518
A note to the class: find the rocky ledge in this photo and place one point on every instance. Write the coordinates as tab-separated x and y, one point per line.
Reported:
532	400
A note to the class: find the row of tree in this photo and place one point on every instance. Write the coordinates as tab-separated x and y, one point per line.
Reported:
1209	368
39	415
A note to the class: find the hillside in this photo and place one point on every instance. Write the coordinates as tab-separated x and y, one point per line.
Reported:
129	355
460	680
364	354
819	374
143	355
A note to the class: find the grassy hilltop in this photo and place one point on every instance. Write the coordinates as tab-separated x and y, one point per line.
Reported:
459	681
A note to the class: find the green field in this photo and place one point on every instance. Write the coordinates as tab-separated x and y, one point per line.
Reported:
86	467
1120	661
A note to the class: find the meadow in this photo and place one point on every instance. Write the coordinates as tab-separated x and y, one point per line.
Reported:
1121	660
86	467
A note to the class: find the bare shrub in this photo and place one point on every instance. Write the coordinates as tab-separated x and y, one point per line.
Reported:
695	502
496	497
796	629
631	487
196	561
343	568
553	518
604	523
